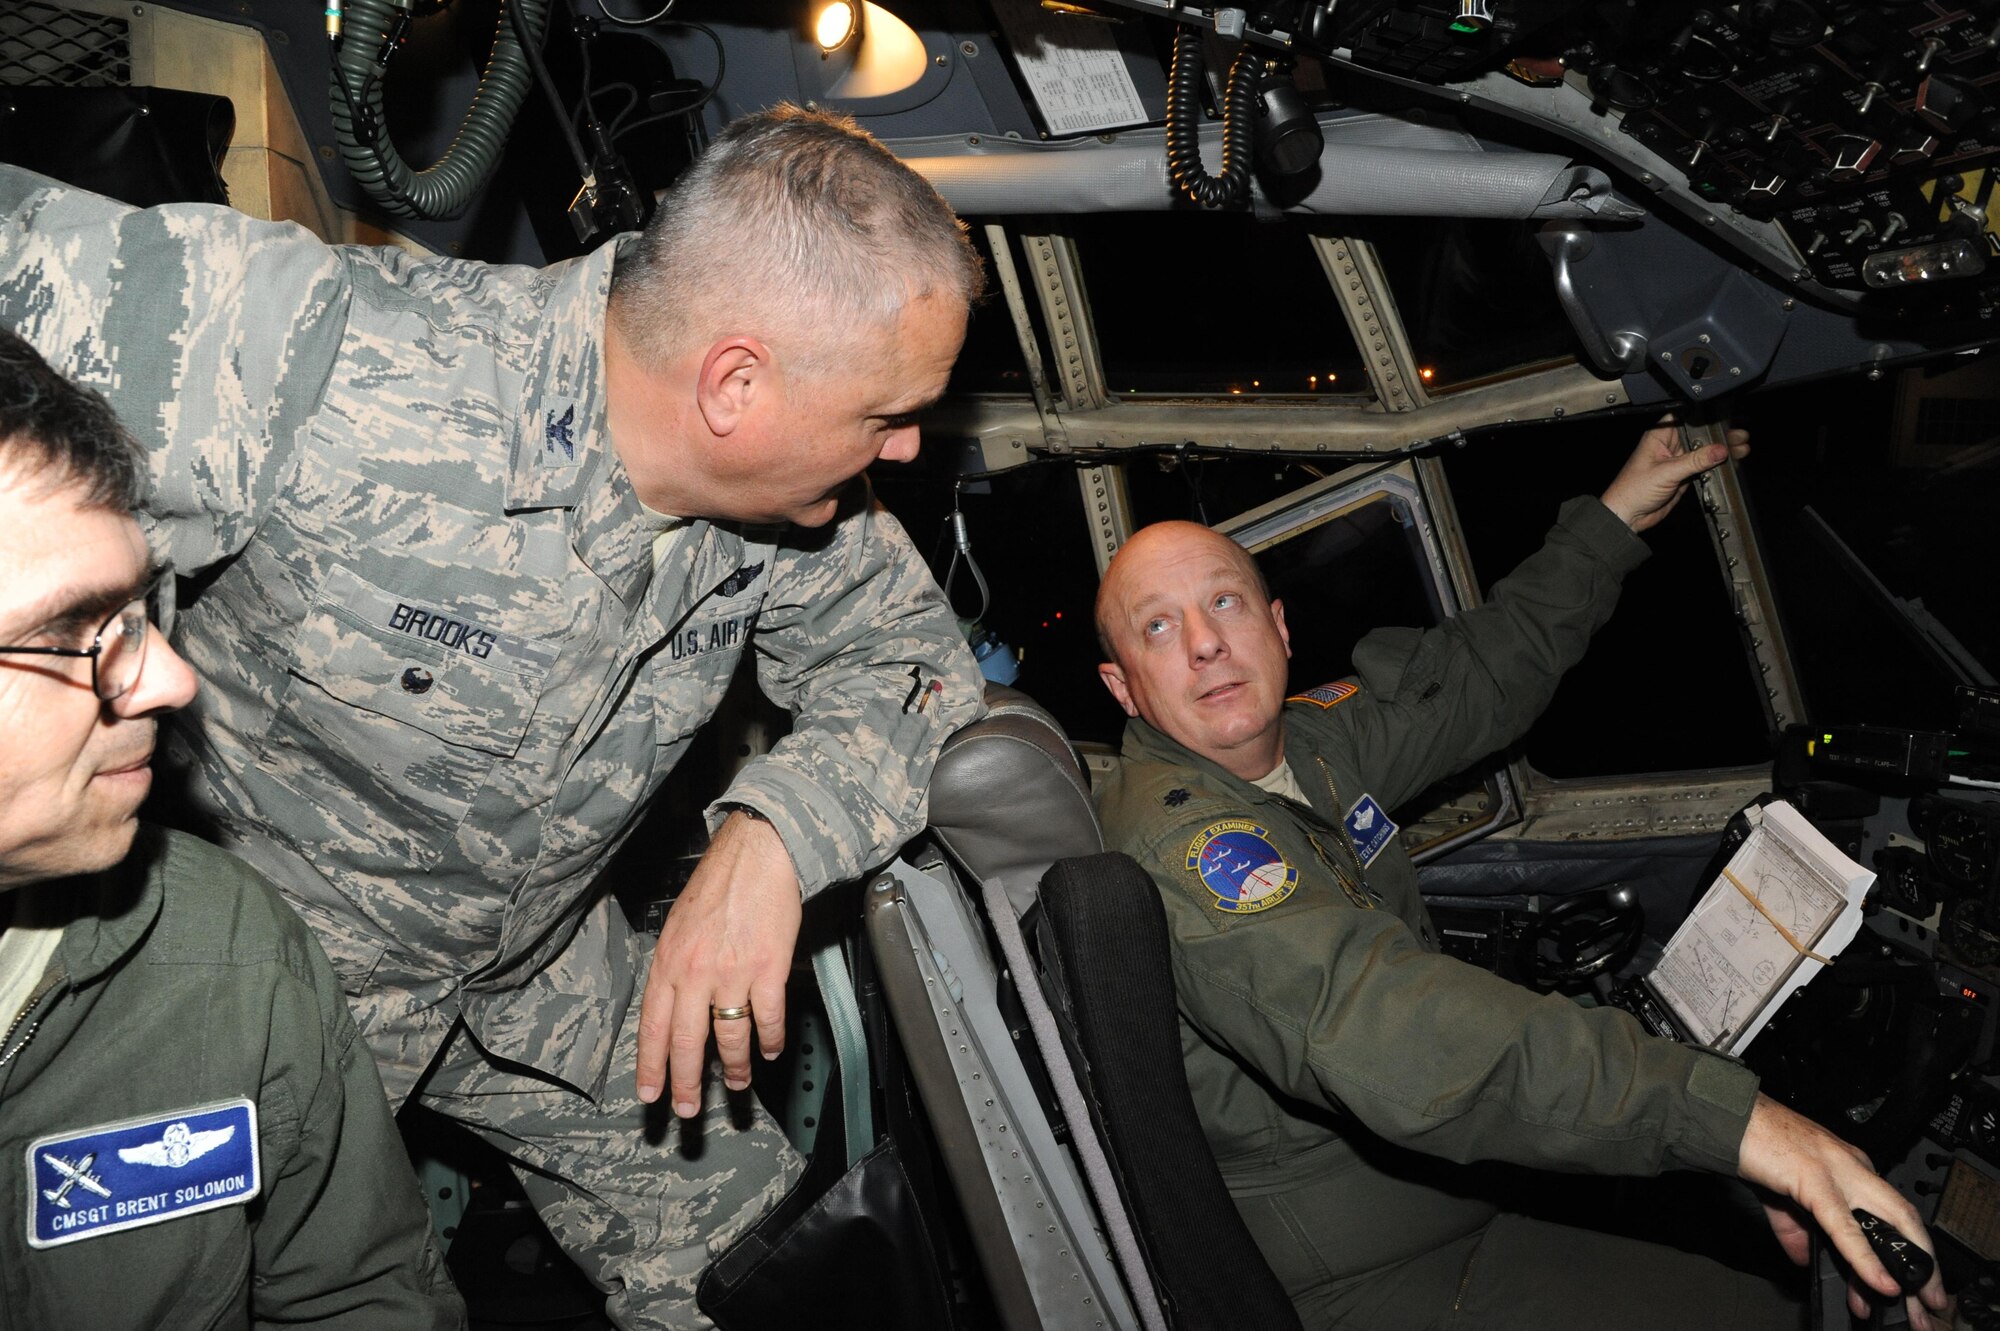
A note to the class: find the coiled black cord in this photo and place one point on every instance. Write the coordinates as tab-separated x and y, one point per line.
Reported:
1239	112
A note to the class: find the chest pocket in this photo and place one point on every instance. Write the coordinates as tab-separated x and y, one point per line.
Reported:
390	724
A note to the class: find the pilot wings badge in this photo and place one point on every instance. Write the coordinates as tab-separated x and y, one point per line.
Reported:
176	1146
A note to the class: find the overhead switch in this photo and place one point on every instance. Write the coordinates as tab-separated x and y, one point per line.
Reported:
1852	156
1946	104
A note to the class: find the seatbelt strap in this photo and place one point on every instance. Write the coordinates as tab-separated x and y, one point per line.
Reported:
850	1046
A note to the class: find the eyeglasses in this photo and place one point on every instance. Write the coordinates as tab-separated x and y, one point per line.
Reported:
118	652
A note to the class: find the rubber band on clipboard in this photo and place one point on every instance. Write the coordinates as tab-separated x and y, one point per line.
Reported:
1783	932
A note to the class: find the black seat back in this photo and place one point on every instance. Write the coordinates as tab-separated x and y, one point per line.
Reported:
1105	959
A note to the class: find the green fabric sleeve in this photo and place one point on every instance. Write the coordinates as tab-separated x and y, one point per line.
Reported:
1433	701
1343	1007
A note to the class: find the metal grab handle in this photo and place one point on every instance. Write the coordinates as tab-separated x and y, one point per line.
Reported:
1612	353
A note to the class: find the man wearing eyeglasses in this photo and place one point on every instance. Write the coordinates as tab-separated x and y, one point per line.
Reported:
191	1132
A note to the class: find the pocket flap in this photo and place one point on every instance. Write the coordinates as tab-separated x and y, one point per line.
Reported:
419	665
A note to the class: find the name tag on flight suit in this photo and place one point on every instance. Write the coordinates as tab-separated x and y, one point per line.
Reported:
1369	828
141	1171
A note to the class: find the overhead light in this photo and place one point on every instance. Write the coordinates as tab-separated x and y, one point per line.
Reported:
885	56
835	24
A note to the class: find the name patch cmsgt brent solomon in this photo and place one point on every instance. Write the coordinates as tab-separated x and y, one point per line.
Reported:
141	1171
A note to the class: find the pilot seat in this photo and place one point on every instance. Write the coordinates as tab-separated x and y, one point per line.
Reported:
1027	974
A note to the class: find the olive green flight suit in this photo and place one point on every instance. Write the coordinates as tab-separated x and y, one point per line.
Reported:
182	982
1347	1072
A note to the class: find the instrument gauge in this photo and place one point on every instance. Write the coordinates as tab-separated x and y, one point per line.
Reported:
1966	929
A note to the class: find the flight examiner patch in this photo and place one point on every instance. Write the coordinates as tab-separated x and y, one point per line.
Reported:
141	1171
1237	862
1326	695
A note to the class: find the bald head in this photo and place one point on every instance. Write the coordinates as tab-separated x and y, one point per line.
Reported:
1134	565
1198	648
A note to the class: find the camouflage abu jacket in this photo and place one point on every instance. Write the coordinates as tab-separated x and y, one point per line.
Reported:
1321	1025
441	679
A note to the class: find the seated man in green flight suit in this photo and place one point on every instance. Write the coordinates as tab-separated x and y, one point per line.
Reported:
192	1133
1347	1073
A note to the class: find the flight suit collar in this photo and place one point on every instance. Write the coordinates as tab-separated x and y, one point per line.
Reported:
1305	750
560	437
113	912
1146	744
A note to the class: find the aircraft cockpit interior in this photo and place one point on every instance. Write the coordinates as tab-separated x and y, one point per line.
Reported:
1369	287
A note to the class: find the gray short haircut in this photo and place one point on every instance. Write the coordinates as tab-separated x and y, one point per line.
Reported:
801	220
54	429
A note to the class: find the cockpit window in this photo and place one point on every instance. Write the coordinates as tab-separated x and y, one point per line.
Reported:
1876	516
1340	575
1667	685
1213	305
1475	295
991	361
1356	551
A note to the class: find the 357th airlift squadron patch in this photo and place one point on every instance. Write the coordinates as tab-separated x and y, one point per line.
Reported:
1236	861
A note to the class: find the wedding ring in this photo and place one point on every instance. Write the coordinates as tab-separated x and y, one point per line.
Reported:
730	1013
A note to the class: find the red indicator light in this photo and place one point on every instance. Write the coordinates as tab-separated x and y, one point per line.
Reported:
1972	994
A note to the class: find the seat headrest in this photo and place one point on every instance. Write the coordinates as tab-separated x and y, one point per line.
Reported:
1009	798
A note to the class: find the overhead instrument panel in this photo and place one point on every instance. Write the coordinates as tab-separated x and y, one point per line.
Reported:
1868	131
1849	147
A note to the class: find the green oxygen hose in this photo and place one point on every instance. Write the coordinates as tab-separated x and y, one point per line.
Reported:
373	30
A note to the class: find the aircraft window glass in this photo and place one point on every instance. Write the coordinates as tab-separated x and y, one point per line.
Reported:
1357	569
991	361
1213	304
1029	535
1876	524
1667	684
1476	295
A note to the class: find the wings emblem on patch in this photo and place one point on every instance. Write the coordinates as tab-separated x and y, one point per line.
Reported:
1236	862
1326	695
176	1146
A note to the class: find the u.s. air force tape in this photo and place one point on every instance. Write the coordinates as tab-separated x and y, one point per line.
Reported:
1235	860
141	1171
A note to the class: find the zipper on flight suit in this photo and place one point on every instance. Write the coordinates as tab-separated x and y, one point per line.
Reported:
50	982
1369	897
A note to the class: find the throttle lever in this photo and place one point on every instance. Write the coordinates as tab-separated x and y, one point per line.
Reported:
1908	1263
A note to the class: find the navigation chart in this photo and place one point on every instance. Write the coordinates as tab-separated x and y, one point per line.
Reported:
1730	964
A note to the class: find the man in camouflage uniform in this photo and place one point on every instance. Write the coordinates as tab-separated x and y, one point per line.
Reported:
479	549
1345	1070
